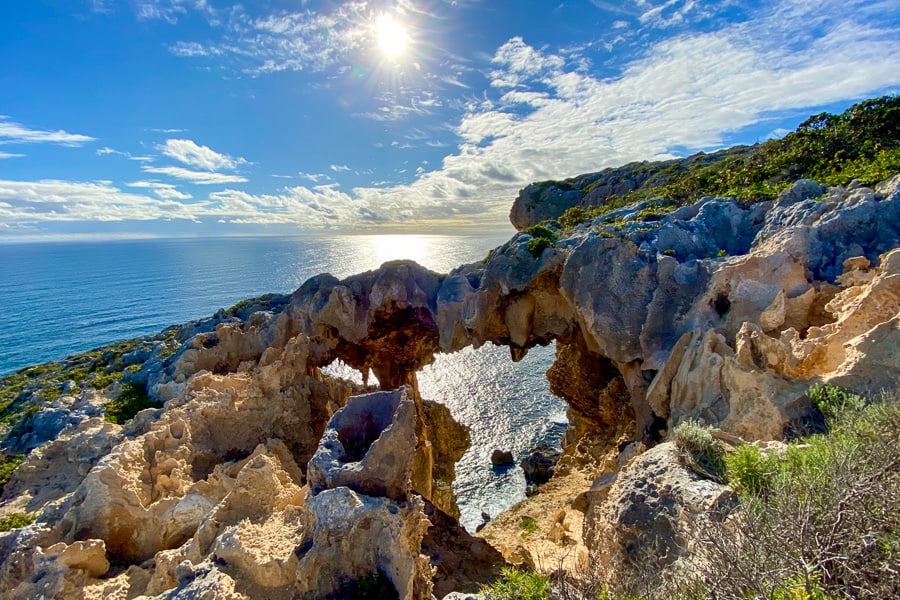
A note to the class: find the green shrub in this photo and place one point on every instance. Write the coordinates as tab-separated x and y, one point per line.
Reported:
8	464
699	449
829	523
49	394
541	231
655	211
833	401
239	306
537	246
577	215
528	525
749	471
130	401
518	585
16	521
861	143
103	381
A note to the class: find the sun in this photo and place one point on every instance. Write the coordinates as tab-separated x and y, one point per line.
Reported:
392	36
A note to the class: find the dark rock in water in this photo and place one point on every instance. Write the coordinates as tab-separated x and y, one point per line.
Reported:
539	464
485	519
531	490
502	458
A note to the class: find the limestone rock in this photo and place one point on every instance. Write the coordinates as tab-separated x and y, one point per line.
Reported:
442	443
647	516
353	535
541	201
368	446
717	311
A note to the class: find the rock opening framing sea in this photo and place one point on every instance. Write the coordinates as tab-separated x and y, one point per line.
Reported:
67	297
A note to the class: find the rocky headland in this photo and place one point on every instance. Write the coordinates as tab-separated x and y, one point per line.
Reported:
254	474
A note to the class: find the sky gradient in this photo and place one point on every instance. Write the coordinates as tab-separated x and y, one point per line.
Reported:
206	117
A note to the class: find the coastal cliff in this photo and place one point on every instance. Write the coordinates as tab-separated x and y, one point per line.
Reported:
255	474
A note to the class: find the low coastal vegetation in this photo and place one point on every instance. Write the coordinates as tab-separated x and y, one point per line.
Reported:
28	390
130	401
862	143
16	520
542	237
816	519
8	464
518	584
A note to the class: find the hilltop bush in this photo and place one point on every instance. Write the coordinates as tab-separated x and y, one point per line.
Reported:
862	143
541	238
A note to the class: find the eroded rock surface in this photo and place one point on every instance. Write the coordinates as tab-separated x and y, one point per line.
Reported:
718	311
647	515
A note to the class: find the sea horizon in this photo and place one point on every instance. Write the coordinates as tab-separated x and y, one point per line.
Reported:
34	283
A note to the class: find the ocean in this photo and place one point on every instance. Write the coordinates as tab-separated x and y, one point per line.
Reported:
63	298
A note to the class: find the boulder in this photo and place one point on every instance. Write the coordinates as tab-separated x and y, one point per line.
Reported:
646	517
538	465
502	458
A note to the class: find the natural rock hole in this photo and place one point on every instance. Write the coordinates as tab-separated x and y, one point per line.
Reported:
359	431
722	304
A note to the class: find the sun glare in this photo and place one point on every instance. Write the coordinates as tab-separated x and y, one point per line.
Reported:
392	36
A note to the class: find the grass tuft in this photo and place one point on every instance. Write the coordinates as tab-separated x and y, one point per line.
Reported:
514	584
699	449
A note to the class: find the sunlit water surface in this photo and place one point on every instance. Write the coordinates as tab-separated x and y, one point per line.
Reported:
64	298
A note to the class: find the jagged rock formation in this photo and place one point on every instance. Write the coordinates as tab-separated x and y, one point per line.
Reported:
717	311
204	502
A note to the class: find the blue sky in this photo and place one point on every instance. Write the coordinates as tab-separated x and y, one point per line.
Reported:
208	117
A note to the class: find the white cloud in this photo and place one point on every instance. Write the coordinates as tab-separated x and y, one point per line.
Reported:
166	191
518	61
30	202
549	118
171	10
314	177
299	41
14	133
666	14
198	177
10	155
106	150
192	154
193	50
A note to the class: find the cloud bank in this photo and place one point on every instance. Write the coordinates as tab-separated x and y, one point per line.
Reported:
544	114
